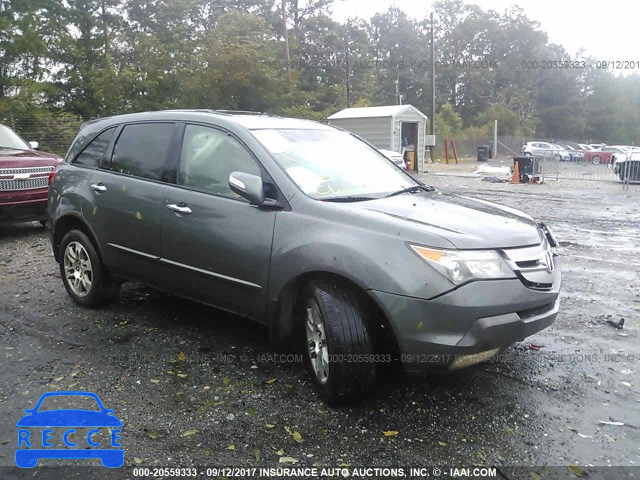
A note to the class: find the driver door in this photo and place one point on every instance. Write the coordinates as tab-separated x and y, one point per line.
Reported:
216	244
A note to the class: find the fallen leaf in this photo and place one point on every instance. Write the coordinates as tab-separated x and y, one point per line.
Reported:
58	379
257	455
251	411
153	435
154	380
188	433
441	443
137	460
206	452
182	375
182	357
226	381
390	433
271	380
280	452
577	471
287	460
535	476
480	455
297	437
231	447
270	425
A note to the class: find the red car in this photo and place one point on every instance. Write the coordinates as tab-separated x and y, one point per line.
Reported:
24	178
604	154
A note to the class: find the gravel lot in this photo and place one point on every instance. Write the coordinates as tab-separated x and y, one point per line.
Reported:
196	386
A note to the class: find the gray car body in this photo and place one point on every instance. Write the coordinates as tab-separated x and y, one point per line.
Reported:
252	260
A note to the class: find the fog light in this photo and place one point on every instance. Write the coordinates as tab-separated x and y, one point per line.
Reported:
463	361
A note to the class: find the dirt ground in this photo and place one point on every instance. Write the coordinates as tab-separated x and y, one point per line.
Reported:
196	386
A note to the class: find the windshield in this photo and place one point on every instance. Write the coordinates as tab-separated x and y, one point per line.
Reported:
9	139
330	163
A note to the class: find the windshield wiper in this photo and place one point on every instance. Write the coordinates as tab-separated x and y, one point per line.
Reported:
347	199
412	189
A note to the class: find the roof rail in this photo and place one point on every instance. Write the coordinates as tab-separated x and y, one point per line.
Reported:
240	112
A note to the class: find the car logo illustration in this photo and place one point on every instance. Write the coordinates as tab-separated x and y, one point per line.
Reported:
63	423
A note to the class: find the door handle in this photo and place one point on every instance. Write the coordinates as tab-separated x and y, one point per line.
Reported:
98	187
182	209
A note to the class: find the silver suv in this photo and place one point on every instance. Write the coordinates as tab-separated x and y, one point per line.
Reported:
307	229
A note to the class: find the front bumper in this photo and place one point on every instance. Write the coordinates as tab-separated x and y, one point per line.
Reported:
35	209
476	320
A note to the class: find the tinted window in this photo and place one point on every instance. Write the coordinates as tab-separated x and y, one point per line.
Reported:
208	158
93	153
143	149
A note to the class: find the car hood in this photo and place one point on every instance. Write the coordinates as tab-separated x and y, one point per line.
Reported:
465	222
69	418
10	158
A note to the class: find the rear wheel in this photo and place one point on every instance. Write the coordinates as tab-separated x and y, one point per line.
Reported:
338	343
84	277
596	160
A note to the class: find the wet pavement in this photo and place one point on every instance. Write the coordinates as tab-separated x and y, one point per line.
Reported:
197	386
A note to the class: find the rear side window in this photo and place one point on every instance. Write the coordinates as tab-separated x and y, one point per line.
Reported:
142	150
93	153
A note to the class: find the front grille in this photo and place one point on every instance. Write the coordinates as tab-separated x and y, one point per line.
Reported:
28	184
31	170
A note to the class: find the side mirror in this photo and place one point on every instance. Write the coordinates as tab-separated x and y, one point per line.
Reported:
247	186
34	145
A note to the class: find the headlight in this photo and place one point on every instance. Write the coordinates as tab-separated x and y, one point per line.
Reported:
460	266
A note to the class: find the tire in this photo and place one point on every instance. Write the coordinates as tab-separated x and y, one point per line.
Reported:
85	279
557	157
528	154
338	343
596	160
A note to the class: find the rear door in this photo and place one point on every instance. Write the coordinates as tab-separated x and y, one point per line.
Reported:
217	245
127	197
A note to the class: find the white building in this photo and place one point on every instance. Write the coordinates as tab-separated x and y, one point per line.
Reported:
391	127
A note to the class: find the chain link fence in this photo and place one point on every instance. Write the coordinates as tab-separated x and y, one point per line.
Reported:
53	132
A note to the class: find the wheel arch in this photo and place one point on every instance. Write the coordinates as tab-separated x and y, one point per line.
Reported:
70	222
281	321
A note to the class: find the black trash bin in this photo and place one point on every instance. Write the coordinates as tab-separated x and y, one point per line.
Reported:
484	153
527	167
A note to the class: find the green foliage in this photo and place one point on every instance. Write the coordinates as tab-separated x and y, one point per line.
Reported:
89	58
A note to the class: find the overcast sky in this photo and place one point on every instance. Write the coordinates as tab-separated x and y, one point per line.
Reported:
605	29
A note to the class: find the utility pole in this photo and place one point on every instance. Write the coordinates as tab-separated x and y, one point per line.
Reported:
495	139
432	125
285	33
346	68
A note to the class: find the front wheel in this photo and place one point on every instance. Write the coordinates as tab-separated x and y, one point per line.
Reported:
338	343
596	160
84	277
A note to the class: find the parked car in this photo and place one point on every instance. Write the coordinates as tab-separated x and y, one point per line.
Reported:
395	157
627	166
307	229
604	154
24	176
575	154
545	149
